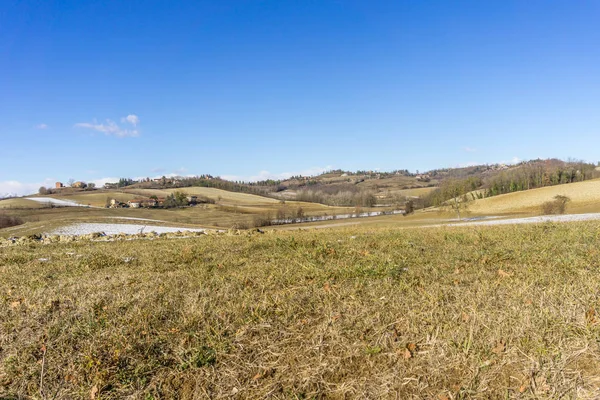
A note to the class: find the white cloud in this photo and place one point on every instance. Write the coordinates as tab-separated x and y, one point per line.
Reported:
102	181
514	160
469	149
132	119
467	164
111	128
41	126
16	188
264	175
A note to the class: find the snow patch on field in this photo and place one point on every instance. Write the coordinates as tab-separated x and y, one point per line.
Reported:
113	229
534	220
56	202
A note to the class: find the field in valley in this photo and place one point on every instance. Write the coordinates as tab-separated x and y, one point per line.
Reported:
442	313
230	210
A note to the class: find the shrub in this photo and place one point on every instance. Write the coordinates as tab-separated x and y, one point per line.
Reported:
556	206
262	220
6	221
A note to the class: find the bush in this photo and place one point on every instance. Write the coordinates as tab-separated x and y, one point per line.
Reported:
6	221
556	206
262	220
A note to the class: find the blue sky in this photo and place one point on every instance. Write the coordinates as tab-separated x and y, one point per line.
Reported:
93	90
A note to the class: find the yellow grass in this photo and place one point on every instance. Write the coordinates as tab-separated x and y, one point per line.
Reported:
447	313
20	203
414	192
585	197
225	196
95	198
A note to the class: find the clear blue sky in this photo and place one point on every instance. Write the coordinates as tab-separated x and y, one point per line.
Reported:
100	89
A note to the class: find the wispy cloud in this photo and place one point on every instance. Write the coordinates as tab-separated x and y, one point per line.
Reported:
264	175
41	126
102	181
467	164
111	128
514	160
469	149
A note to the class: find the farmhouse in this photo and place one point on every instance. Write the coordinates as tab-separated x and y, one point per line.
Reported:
192	199
79	185
114	203
135	203
138	203
59	185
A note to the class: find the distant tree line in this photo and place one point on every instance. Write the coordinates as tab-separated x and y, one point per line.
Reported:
538	175
527	175
338	195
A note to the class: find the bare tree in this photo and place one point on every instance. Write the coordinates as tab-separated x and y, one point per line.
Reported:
456	191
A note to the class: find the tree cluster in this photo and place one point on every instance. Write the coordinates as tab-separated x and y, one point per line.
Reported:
345	198
531	176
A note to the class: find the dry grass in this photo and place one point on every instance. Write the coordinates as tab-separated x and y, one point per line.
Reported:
226	197
19	203
437	313
414	192
585	197
95	198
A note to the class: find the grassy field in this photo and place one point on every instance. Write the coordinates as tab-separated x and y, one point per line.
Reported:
19	203
443	313
413	192
226	197
95	198
585	197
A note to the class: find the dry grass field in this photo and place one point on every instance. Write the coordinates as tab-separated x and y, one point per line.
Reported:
447	313
95	198
413	192
585	197
226	197
17	203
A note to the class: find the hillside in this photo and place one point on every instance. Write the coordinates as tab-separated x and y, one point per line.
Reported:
585	197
